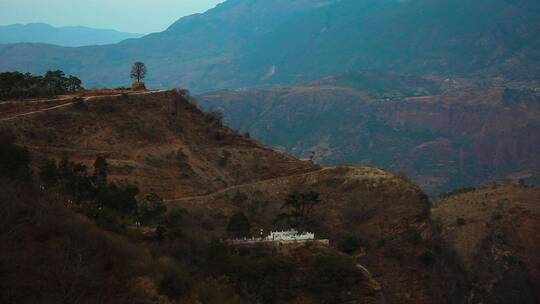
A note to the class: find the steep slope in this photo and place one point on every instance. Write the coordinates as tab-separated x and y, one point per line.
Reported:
494	232
443	134
51	254
385	212
420	36
65	36
160	141
166	145
252	42
207	172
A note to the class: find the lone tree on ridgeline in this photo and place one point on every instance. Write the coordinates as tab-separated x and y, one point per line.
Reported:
138	71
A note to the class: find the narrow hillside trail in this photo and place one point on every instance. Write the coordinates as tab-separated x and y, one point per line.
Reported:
34	101
89	98
37	111
224	190
64	149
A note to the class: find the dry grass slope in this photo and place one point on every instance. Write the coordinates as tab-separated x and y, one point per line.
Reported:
494	232
159	141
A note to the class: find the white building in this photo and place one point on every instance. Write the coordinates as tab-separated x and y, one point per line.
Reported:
290	235
276	236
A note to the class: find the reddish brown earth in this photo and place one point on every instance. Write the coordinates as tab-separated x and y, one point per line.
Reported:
464	135
388	213
494	232
159	141
165	144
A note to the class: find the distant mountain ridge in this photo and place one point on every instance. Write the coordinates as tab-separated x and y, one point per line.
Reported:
444	134
243	43
70	36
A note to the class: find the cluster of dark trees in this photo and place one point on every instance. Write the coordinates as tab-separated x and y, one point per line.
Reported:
114	206
19	85
299	207
14	160
49	253
297	214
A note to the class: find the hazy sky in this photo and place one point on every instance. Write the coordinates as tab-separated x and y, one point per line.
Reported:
141	16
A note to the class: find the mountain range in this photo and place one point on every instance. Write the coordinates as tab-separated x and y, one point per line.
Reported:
71	36
243	43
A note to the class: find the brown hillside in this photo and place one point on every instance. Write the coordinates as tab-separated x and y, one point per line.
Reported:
494	232
165	144
159	141
53	255
386	212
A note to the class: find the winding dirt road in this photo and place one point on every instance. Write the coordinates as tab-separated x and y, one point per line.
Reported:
71	103
221	191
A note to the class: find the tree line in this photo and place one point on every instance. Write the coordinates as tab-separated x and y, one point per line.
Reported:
19	85
114	206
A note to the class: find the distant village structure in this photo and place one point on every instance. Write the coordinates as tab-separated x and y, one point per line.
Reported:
290	235
278	236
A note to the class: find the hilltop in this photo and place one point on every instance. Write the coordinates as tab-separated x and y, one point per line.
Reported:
159	141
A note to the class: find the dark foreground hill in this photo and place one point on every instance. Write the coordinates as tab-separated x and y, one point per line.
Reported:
255	42
207	173
444	134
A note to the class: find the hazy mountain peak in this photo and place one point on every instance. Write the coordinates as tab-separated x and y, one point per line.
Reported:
260	11
65	36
